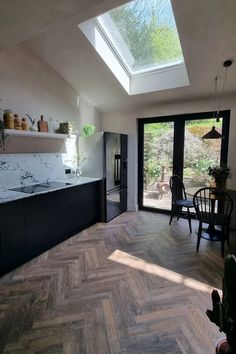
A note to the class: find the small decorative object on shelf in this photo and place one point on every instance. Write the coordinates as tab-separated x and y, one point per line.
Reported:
17	122
223	313
51	125
8	119
64	128
3	136
42	125
24	124
88	130
78	161
33	126
220	175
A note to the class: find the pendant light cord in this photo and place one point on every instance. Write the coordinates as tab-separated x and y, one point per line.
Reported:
220	96
216	99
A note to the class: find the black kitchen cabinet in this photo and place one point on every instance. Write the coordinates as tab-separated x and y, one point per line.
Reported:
89	205
32	225
13	242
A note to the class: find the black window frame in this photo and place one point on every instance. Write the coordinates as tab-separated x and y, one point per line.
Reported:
178	153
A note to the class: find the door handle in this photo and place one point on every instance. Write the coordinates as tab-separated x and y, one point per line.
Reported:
117	169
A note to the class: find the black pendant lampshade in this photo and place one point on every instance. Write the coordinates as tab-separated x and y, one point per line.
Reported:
213	133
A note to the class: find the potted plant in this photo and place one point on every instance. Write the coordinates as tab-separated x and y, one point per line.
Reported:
88	130
223	313
220	175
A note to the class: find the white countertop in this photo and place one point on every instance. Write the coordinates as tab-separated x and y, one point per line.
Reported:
9	196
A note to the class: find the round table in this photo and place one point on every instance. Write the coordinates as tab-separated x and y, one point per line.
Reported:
192	190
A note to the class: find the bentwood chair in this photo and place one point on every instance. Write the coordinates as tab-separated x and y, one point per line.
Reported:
179	199
213	207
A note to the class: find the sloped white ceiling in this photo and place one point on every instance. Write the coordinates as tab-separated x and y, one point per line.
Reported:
207	32
22	19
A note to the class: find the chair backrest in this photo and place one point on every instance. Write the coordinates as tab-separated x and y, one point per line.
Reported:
177	188
213	206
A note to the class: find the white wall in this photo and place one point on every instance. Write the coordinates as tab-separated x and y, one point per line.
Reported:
88	114
29	85
126	122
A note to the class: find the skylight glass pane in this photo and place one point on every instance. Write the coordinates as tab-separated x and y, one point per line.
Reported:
143	33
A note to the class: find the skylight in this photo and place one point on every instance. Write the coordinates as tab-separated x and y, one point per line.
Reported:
144	34
140	44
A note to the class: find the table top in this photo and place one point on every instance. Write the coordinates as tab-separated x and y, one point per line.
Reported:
192	190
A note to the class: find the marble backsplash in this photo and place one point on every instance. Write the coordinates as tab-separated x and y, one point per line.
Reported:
23	169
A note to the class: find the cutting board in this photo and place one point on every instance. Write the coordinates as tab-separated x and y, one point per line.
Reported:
42	125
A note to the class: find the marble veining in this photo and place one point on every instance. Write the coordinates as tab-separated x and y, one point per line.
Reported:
9	196
23	169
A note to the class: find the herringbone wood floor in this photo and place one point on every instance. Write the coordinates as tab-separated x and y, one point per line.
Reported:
134	285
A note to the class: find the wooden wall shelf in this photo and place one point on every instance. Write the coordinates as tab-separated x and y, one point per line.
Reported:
28	133
25	141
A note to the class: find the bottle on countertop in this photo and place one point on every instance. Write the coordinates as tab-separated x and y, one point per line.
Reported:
42	125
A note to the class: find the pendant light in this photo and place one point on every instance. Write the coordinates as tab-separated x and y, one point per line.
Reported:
213	133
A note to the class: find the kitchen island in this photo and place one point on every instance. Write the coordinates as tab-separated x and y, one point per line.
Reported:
33	223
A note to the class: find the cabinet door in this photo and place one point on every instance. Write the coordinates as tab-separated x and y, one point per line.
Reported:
88	204
50	219
46	233
12	235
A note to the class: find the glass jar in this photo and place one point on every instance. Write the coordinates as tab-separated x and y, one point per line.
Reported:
8	119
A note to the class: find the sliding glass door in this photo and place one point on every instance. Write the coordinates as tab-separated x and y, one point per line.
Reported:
174	145
200	154
157	164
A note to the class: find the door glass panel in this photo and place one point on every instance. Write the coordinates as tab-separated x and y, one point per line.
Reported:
200	154
158	162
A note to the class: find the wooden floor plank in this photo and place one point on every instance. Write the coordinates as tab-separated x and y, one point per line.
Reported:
133	285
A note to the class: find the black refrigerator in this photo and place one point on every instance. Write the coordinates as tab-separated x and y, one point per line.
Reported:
115	175
106	158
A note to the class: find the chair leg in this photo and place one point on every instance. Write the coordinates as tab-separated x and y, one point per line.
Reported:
199	235
173	212
171	217
189	220
227	234
179	212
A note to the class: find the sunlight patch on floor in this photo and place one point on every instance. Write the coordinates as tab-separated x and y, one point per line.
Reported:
138	263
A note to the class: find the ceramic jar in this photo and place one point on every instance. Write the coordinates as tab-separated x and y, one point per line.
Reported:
17	122
24	124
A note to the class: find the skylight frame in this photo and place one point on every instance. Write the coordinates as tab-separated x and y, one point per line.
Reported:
99	20
112	47
156	78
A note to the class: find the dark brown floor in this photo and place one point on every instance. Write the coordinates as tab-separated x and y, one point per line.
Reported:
134	285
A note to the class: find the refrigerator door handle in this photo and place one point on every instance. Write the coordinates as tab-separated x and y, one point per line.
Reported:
117	169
